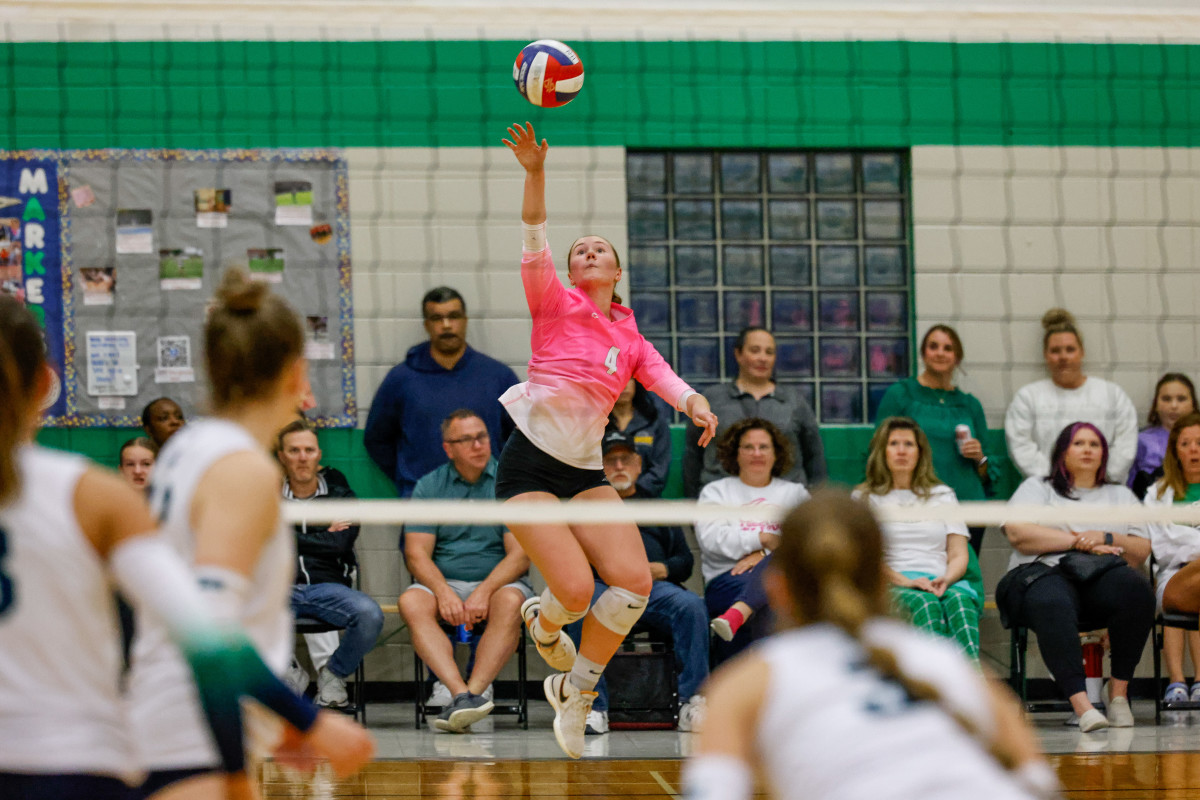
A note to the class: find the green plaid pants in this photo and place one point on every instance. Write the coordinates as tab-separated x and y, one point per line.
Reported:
954	615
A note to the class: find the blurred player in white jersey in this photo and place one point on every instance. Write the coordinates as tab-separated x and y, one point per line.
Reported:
216	491
847	703
68	532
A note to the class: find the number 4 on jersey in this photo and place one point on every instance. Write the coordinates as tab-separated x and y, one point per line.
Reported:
610	360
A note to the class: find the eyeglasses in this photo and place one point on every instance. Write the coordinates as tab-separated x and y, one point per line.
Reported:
620	458
756	448
479	438
453	316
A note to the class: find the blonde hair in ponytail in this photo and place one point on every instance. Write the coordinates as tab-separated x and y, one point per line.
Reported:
251	337
831	556
22	357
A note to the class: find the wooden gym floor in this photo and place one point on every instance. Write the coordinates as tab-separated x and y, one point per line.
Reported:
1105	776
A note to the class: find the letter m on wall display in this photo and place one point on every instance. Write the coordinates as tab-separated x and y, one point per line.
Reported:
31	250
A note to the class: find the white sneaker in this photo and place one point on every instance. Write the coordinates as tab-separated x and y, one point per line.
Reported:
440	696
691	715
1119	714
571	706
1092	720
597	723
331	690
559	654
296	677
490	692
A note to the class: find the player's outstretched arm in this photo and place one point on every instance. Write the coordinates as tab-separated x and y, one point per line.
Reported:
531	156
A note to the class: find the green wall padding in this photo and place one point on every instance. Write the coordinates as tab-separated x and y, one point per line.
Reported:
637	94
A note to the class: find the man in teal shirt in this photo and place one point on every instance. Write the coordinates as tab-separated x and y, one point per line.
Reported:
464	575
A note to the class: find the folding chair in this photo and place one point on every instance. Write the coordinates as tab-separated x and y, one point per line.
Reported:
520	708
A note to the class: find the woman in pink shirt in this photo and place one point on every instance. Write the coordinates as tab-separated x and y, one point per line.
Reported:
585	347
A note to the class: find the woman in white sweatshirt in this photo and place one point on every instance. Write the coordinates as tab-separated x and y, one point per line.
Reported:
755	453
1041	409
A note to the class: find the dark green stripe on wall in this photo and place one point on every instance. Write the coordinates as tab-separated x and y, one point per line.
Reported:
637	94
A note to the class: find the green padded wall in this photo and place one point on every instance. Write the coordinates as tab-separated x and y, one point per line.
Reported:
727	94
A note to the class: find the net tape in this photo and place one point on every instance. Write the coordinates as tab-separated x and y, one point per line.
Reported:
676	512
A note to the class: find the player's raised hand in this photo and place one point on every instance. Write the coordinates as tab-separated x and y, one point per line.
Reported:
525	147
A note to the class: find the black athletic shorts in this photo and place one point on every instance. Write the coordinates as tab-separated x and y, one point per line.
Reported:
525	467
22	786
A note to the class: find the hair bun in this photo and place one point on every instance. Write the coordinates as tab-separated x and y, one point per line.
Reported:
239	294
1058	318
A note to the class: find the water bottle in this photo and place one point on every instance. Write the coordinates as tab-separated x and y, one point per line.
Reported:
961	434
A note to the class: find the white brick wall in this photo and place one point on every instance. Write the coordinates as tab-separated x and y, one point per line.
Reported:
1000	235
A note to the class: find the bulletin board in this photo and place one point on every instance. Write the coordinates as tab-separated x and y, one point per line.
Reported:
118	254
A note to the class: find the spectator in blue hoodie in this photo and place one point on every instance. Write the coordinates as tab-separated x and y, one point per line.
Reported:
403	433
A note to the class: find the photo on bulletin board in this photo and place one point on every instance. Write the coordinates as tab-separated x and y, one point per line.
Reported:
181	268
99	284
293	203
11	280
317	344
135	231
266	264
212	207
123	245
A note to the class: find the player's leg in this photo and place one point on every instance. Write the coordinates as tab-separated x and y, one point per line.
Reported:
564	566
617	553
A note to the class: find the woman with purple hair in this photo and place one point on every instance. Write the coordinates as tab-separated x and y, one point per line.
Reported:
1059	582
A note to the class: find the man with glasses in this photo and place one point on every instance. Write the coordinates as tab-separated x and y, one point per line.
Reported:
464	576
443	372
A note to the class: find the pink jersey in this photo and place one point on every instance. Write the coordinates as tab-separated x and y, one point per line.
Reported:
581	361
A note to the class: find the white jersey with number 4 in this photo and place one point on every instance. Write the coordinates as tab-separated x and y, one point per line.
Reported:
831	726
60	645
168	724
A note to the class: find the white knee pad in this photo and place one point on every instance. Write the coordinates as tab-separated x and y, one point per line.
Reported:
555	612
619	609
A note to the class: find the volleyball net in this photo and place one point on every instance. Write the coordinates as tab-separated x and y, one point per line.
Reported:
673	512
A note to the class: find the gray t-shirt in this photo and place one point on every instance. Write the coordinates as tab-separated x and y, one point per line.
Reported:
1039	492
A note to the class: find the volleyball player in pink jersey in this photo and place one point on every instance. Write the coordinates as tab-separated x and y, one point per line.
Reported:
585	347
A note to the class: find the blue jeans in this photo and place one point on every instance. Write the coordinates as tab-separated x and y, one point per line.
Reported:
346	608
679	612
721	592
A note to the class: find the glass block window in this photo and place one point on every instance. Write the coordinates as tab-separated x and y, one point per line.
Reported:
812	245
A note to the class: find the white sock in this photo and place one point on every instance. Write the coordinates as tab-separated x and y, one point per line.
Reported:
540	635
586	674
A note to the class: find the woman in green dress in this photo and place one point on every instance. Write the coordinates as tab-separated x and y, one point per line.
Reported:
951	418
